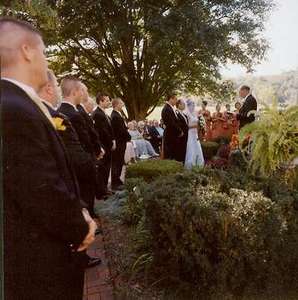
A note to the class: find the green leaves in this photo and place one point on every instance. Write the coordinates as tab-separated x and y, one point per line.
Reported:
140	50
275	140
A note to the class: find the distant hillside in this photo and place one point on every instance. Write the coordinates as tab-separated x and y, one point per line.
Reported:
283	87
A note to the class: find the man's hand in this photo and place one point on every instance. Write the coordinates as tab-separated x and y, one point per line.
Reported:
101	155
181	135
90	237
114	145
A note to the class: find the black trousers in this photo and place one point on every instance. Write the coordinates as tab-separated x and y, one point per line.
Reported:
88	192
105	168
117	163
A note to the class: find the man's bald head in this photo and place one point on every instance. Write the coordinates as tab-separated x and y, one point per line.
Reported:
13	34
22	52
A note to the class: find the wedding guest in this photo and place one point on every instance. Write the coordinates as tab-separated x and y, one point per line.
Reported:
144	128
228	125
122	137
81	161
156	133
72	93
44	224
142	146
173	131
130	154
249	107
103	126
183	124
207	134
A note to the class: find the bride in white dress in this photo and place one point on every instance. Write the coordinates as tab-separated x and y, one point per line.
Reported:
194	154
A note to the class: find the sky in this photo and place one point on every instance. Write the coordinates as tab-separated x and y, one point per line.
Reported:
282	34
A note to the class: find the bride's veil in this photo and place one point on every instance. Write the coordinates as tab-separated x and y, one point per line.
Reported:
189	107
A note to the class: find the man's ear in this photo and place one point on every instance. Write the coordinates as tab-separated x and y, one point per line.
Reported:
27	52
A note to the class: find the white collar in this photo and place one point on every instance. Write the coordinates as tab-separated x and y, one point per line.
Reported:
247	96
67	102
33	96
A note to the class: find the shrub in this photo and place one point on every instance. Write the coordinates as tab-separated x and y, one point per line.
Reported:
209	149
217	238
275	140
151	169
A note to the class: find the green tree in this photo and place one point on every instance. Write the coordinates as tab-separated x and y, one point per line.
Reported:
142	49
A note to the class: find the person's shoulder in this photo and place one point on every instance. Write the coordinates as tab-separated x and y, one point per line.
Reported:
15	101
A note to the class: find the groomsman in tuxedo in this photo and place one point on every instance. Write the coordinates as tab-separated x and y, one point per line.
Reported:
103	126
72	93
173	132
44	224
183	123
250	105
81	161
98	150
122	137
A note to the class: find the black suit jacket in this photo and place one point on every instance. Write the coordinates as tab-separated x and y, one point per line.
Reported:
103	126
249	104
79	124
94	138
42	211
82	161
119	128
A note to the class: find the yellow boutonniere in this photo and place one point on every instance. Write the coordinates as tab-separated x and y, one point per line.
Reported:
59	124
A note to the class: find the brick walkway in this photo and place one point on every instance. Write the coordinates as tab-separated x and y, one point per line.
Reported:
98	285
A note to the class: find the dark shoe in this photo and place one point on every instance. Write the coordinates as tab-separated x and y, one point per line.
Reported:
93	261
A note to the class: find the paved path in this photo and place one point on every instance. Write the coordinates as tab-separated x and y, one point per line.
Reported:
98	285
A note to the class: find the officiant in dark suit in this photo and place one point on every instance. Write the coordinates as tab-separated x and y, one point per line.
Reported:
173	132
122	137
183	123
44	225
247	111
103	126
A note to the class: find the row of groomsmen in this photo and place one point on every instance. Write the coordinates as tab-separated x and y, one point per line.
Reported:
96	144
50	162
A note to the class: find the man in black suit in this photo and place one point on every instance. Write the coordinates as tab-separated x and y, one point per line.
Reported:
246	113
103	126
81	161
44	224
122	137
183	123
173	132
98	150
72	92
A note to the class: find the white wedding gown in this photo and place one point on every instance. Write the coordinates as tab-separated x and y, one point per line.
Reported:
194	154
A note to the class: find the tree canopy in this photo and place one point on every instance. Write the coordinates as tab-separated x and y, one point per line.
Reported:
141	50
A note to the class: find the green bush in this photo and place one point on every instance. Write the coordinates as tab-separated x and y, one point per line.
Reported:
216	238
209	149
149	170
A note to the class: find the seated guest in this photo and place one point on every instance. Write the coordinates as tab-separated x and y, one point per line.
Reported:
229	123
130	154
156	133
162	124
143	128
142	146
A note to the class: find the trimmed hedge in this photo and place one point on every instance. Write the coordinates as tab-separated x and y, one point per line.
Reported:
202	229
149	170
